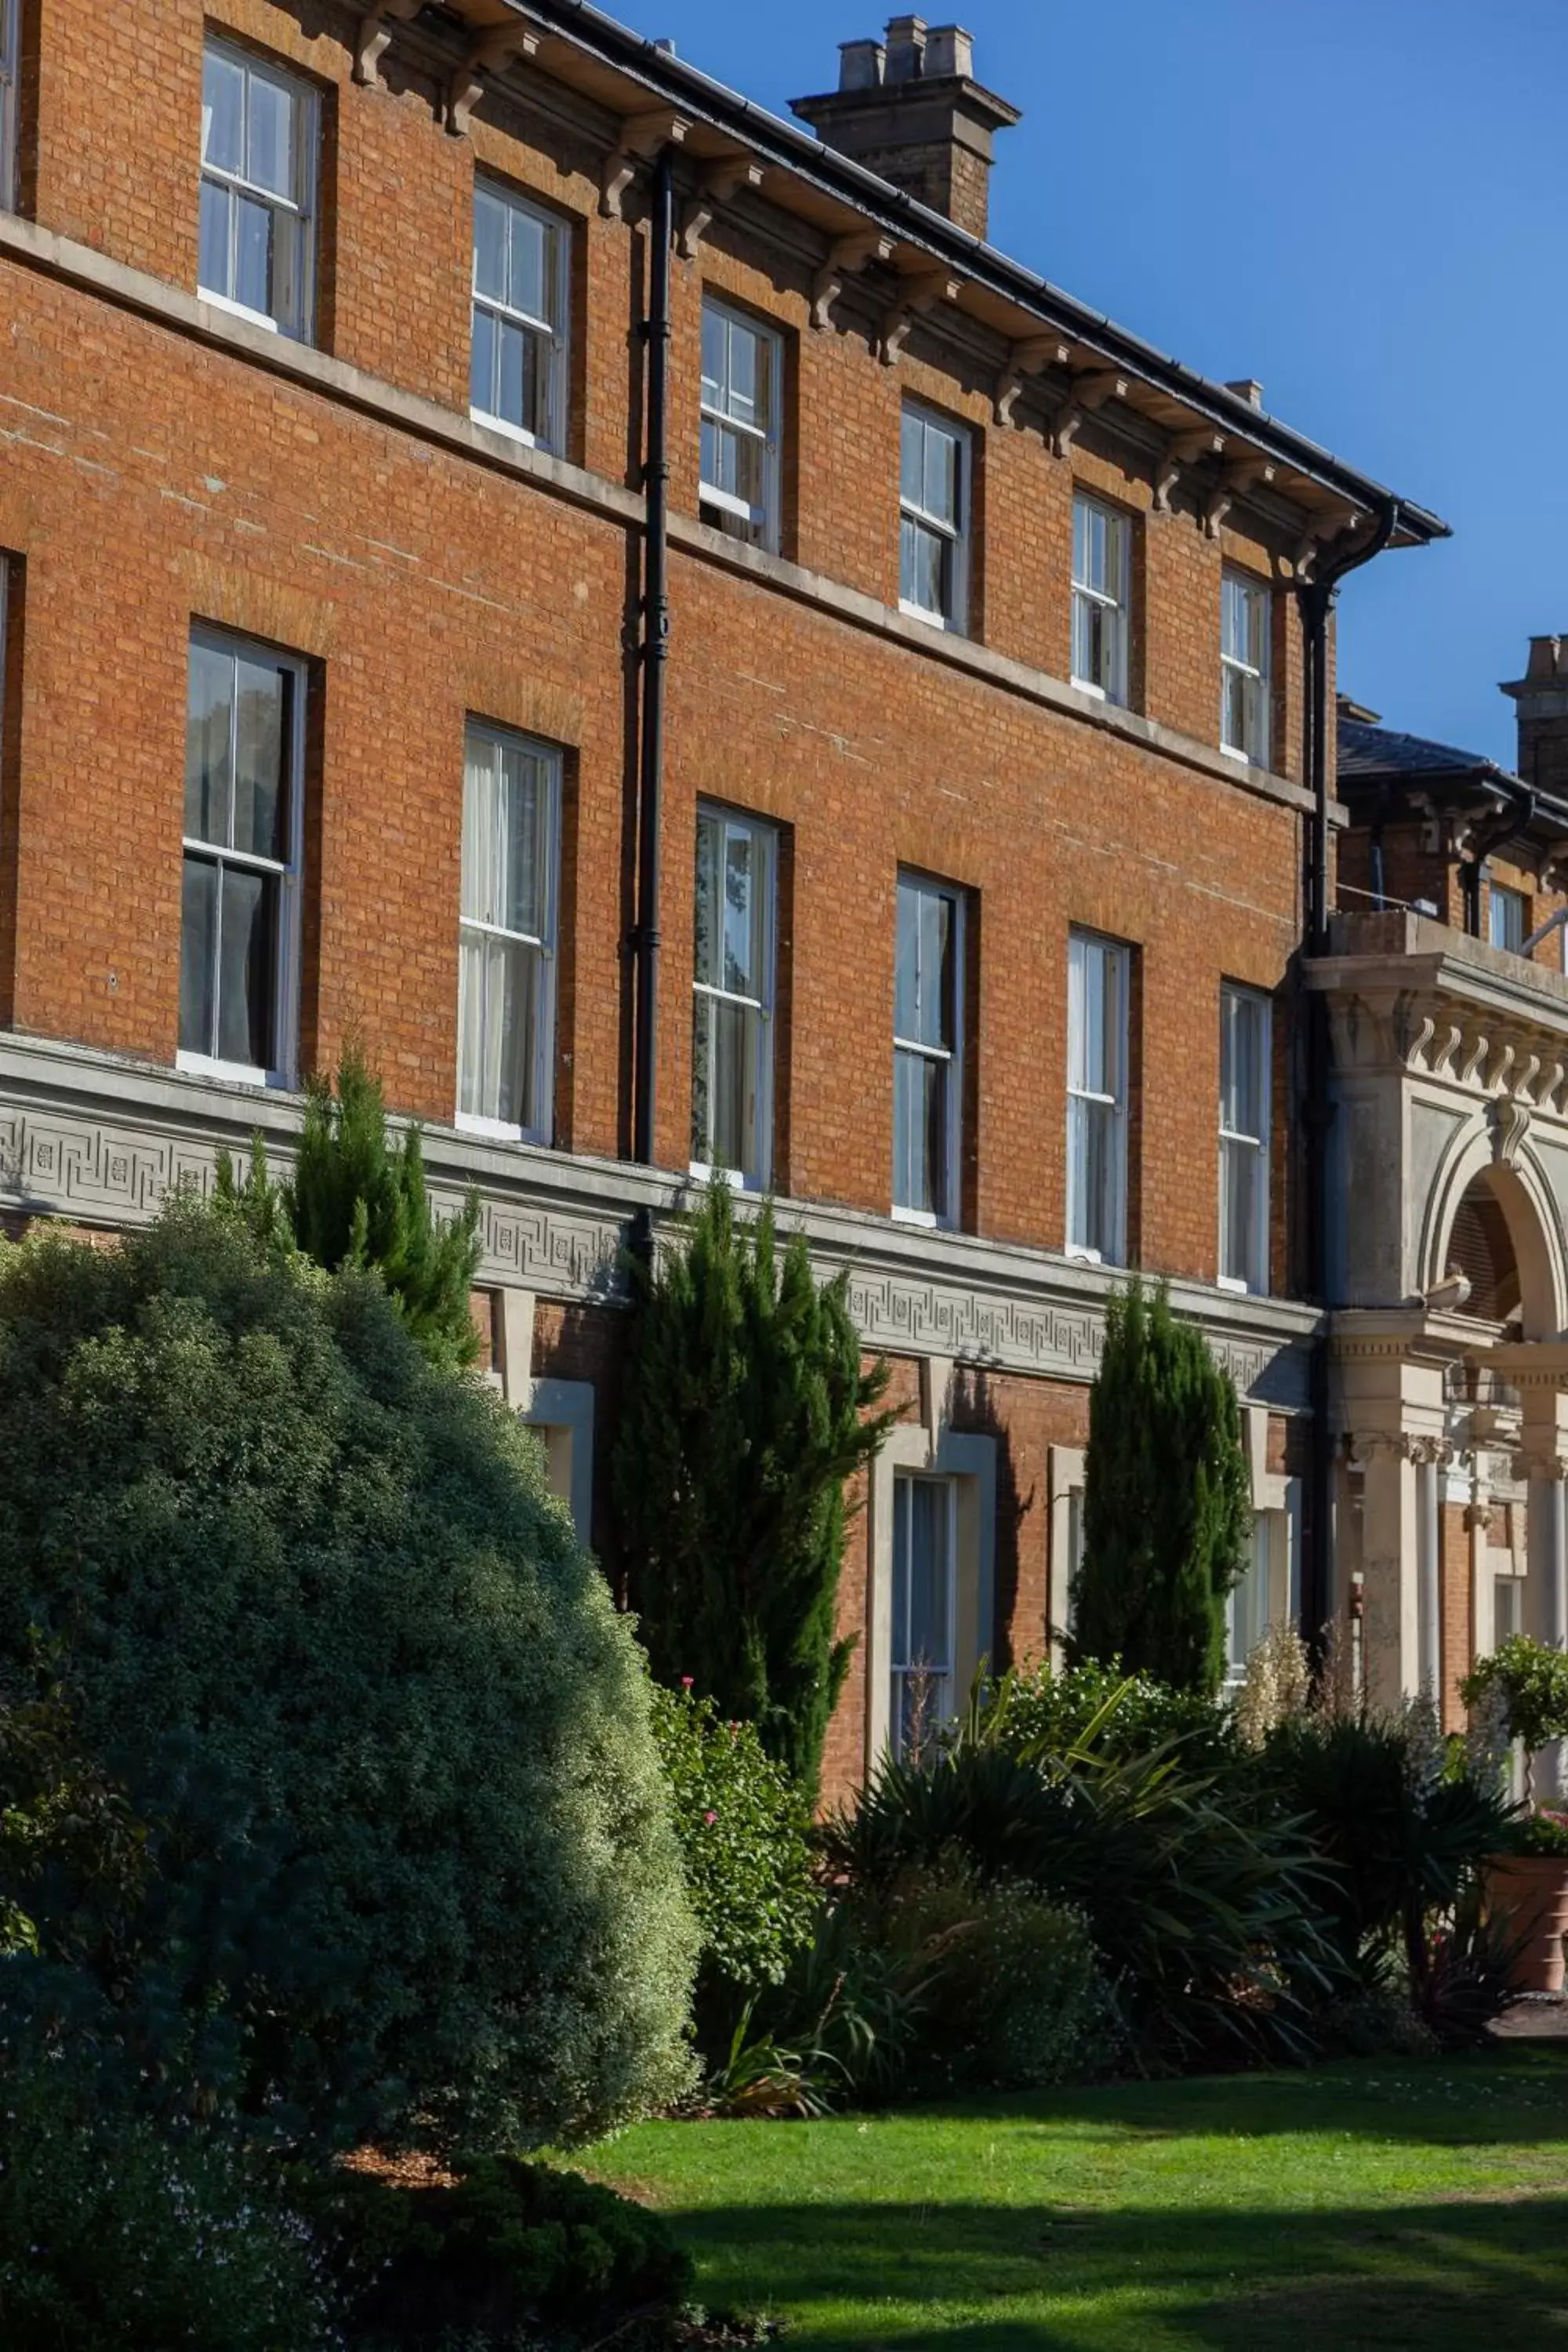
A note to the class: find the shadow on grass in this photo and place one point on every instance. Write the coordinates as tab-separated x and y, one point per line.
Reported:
1515	2095
1439	2275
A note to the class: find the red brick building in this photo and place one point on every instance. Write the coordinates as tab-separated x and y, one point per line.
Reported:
972	684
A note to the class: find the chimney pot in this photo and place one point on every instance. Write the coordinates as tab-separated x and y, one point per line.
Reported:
860	65
950	51
1247	388
906	48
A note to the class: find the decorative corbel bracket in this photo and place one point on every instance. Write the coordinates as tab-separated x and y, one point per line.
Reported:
1064	427
917	296
467	87
374	35
642	135
718	183
1215	510
1099	385
846	258
1181	455
1029	358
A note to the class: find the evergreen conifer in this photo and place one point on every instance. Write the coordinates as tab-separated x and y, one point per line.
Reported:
1167	1508
745	1409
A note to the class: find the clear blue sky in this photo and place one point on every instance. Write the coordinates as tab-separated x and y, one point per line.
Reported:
1363	202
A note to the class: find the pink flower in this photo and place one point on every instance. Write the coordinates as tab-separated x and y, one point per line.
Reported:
686	1682
708	1820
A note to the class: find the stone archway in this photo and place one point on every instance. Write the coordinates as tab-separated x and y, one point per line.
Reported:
1492	1218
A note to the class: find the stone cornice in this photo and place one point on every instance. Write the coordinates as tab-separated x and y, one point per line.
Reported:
1409	994
187	315
100	1140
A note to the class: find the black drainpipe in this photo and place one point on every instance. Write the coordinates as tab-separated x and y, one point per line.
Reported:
1317	603
655	658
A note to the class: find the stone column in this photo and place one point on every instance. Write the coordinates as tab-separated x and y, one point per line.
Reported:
1429	1571
1391	1630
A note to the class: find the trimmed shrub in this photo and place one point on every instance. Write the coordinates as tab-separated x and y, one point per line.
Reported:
413	1872
1528	1681
1167	1510
112	2234
1050	1713
741	1826
495	2253
745	1409
1013	1996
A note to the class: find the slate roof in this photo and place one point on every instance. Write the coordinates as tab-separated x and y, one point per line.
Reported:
1370	753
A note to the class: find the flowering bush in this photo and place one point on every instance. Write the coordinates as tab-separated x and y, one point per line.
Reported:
113	2235
742	1825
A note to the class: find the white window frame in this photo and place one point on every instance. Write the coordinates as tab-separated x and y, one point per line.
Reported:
502	1130
555	333
10	105
1253	596
952	1057
766	838
1502	897
285	952
1118	961
1255	1277
762	522
301	207
944	1673
955	532
1117	601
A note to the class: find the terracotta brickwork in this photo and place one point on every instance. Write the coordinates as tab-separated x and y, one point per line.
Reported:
157	476
1459	1613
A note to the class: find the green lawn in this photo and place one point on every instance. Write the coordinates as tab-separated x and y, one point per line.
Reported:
1374	2205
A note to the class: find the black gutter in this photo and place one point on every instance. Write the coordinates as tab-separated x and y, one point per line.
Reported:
668	80
1316	598
655	658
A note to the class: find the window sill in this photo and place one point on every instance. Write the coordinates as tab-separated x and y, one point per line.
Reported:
518	433
242	310
1240	1289
237	1074
926	1219
736	1178
953	628
497	1130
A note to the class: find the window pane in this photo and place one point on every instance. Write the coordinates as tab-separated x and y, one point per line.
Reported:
740	915
246	968
511	341
212	250
222	111
521	816
528	241
480	895
714	372
482	367
198	955
253	255
710	840
911	458
261	782
729	1041
906	993
269	159
941	474
490	244
745	375
498	1020
937	974
209	778
921	1134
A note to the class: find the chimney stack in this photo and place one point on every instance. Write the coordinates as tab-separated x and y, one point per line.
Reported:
909	109
1540	698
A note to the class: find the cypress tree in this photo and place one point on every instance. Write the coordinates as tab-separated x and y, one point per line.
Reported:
357	1201
1167	1511
745	1409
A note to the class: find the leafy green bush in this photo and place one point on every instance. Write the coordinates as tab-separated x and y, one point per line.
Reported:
741	1826
1203	1905
1529	1682
494	2253
745	1409
1167	1510
1012	1993
353	1199
1049	1711
70	1848
413	1870
112	2234
1536	1833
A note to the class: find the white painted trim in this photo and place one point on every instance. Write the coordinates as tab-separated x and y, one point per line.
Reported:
971	1460
1065	1477
563	1411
